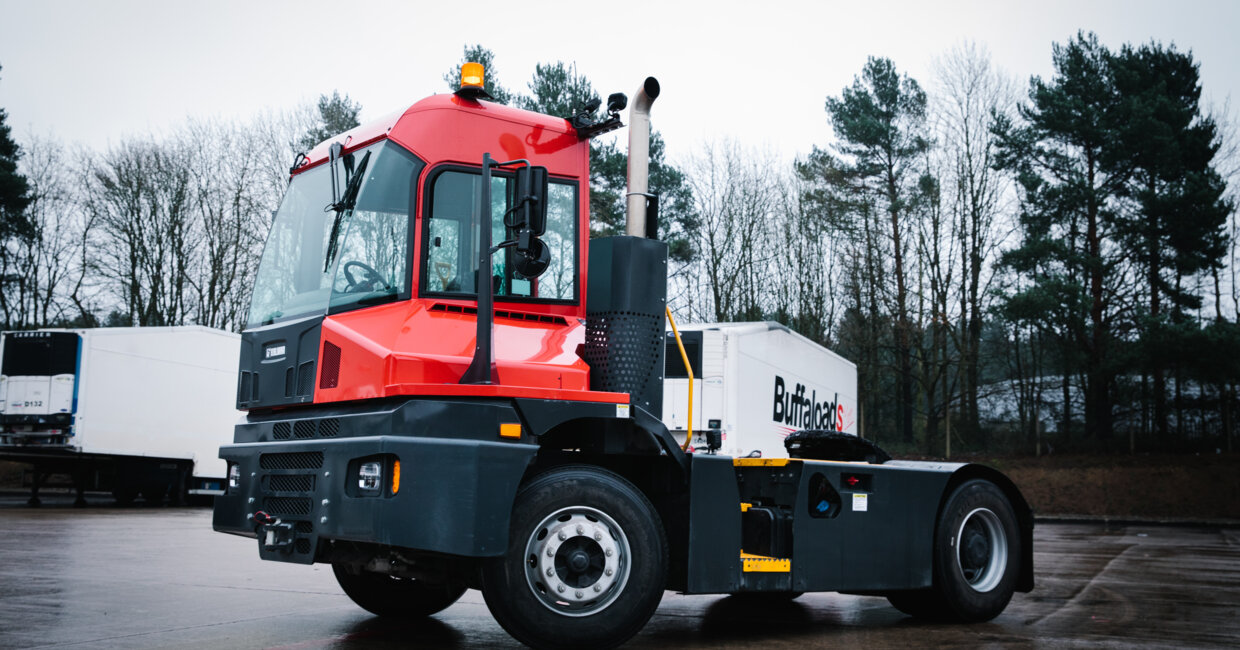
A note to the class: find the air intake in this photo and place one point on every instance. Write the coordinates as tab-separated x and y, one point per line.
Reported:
330	375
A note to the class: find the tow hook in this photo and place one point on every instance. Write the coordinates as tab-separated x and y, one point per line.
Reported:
274	533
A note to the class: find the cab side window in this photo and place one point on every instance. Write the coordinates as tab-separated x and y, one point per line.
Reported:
450	262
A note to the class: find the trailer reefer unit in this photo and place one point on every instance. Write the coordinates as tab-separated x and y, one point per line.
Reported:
137	410
753	384
449	385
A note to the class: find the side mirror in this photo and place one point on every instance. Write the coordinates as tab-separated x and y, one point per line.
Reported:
532	192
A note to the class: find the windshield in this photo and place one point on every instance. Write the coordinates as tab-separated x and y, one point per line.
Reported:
322	258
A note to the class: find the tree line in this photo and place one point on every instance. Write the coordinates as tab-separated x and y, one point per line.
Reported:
1028	267
1035	267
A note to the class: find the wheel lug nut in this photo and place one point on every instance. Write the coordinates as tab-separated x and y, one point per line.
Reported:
609	552
550	572
608	572
578	594
563	536
550	552
580	530
598	588
598	537
560	588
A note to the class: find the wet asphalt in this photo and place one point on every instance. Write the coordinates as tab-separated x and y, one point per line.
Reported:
102	577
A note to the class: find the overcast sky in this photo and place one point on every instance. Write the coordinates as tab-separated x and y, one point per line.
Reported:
758	72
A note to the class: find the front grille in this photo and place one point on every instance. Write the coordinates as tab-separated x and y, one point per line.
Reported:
305	378
287	483
331	366
245	389
303	527
329	427
281	431
295	460
302	546
287	505
304	429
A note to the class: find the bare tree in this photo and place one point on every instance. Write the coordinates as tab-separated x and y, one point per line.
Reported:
228	202
45	267
138	194
969	92
735	192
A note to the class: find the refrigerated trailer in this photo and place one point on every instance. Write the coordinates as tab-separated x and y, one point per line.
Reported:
753	385
140	411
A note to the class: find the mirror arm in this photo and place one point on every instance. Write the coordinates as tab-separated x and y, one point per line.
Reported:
481	369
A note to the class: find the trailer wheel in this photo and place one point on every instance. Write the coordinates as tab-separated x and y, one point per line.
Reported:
389	596
124	495
976	555
586	563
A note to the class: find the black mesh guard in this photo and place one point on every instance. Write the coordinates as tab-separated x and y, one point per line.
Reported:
625	318
622	350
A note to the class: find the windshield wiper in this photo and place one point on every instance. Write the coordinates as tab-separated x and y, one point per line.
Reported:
345	204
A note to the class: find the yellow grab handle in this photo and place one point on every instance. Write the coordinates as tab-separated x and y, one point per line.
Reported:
689	369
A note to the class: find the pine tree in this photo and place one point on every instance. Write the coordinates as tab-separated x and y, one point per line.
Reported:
14	199
1175	223
558	89
880	122
337	114
490	81
1067	163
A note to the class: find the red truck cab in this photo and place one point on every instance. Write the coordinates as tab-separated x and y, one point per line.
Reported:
393	278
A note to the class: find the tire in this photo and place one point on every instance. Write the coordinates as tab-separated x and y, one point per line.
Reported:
124	495
920	603
389	596
153	493
976	558
605	548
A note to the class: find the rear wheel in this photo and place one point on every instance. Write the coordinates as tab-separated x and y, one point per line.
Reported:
976	558
921	603
386	595
586	563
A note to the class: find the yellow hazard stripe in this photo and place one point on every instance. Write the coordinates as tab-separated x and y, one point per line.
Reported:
751	563
761	462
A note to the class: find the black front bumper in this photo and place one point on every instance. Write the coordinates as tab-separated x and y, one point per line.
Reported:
455	494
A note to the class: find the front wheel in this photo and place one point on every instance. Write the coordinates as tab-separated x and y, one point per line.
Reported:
586	562
390	596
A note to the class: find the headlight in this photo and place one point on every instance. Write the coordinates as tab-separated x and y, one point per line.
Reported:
370	477
234	476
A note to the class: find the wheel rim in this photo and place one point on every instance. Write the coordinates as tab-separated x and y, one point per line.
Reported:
981	550
577	561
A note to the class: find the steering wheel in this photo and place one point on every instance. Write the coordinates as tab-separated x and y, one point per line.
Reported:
371	280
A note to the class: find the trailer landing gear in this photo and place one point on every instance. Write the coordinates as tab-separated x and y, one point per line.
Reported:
586	562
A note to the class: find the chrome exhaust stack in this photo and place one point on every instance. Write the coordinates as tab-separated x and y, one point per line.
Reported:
639	157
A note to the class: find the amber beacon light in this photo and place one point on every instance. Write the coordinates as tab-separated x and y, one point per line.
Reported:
472	75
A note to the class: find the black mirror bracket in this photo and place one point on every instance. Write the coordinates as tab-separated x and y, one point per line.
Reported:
585	126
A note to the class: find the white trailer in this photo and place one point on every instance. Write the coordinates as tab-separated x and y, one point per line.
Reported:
755	383
137	410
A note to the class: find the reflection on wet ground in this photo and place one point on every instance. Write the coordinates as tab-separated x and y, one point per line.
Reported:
160	578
